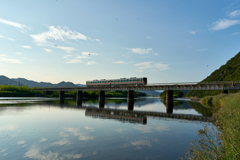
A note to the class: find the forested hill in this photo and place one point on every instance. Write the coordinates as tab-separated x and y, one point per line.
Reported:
227	72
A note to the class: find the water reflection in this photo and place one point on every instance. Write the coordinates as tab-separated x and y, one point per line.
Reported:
51	130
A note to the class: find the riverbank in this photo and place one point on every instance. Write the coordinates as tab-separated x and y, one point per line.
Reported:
222	141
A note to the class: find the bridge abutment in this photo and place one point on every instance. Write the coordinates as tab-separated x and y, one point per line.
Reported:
130	100
61	96
224	91
169	101
79	98
101	99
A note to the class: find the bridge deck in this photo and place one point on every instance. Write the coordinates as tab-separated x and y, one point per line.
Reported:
223	85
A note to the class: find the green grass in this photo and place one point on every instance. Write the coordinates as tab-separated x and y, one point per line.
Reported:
222	141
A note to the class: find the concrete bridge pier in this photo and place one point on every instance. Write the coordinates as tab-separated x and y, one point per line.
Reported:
224	91
61	96
130	100
79	98
101	99
169	101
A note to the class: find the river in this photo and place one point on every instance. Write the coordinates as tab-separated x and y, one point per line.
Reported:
42	128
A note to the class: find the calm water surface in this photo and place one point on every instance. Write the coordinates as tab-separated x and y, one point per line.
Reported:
42	128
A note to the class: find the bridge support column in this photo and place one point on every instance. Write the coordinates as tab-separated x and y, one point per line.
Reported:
101	99
61	96
169	101
224	91
79	98
130	100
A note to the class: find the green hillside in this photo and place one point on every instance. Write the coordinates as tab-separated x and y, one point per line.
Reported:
228	72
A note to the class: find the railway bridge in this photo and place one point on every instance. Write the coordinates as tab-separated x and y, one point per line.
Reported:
224	86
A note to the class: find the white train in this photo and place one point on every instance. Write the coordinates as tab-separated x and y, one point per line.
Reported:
121	81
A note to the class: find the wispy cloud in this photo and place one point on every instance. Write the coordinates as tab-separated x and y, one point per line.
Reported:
140	50
47	50
66	49
154	66
57	33
74	61
89	53
43	140
27	47
234	13
120	62
235	33
193	32
11	39
19	53
148	37
14	24
9	60
91	62
161	67
144	65
98	40
224	24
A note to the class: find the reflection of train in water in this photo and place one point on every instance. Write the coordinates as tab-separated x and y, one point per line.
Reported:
121	81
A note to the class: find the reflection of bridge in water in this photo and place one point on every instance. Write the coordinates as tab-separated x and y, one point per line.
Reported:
130	116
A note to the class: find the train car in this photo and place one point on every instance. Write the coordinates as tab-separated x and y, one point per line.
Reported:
121	81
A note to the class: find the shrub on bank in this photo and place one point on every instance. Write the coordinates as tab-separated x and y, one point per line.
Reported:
222	141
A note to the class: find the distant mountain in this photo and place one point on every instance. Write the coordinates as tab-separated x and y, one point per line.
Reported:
5	80
81	85
24	82
228	72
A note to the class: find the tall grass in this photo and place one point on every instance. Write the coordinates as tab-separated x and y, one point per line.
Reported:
222	141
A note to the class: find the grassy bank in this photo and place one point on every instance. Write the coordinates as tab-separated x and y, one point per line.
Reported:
222	141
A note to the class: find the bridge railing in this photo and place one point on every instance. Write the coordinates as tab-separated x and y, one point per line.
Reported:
193	83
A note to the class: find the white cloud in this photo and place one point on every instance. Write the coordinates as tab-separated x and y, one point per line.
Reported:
88	128
14	24
120	62
235	33
74	61
234	13
76	132
66	49
148	37
141	143
61	142
57	33
97	40
5	59
224	24
19	53
120	130
89	53
154	66
161	67
193	32
140	50
27	47
43	140
47	50
20	142
144	65
67	56
36	153
91	62
11	39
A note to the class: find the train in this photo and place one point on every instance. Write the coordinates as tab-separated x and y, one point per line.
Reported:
121	81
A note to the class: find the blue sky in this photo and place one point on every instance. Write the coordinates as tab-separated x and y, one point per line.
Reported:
71	40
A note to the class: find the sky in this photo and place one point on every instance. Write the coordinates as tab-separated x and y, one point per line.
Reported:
78	40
